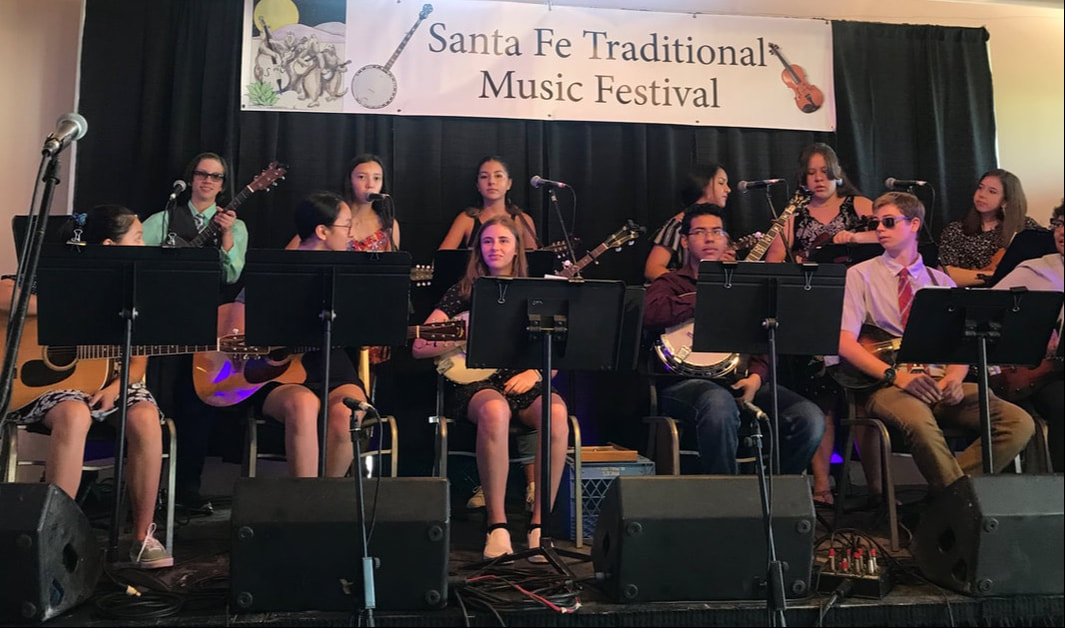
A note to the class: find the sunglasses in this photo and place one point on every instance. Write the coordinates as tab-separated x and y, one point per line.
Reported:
889	222
213	176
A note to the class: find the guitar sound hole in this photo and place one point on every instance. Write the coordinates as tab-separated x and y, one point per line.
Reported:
61	358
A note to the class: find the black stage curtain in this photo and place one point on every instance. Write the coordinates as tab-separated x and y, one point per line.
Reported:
912	102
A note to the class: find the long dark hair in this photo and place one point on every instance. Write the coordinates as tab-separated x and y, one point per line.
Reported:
477	266
844	186
319	208
694	184
356	161
1012	218
223	195
477	201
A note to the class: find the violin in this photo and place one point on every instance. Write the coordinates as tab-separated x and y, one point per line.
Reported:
808	98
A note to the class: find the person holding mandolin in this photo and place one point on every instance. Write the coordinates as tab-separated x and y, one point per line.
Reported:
505	395
709	406
917	398
970	248
1044	383
68	413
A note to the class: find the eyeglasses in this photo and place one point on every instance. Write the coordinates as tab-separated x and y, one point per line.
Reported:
213	176
889	222
701	232
346	226
1057	223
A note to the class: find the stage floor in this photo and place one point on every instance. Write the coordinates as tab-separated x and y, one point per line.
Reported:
196	590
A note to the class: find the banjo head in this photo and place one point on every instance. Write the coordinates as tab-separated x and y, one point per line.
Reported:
373	87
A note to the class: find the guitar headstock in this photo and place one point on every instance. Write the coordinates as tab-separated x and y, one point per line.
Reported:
626	235
426	10
421	274
559	246
268	177
443	331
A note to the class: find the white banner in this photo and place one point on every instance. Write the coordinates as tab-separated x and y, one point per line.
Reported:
528	61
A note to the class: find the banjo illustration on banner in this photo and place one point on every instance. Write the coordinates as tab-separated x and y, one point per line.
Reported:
374	86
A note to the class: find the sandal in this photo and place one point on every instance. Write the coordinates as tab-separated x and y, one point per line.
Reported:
824	498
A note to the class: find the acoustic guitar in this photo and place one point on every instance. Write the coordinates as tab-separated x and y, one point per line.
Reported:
266	179
876	341
232	374
88	368
1017	383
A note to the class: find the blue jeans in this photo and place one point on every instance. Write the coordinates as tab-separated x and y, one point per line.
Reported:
711	410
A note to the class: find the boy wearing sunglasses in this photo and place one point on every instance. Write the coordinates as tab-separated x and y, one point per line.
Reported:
879	292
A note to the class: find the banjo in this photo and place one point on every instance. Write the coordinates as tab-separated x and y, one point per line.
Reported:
674	346
374	86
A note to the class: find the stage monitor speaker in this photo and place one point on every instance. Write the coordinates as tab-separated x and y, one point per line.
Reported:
297	543
49	557
662	538
995	535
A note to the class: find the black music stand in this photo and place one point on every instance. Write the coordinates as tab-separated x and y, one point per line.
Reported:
523	323
138	296
329	299
963	326
789	309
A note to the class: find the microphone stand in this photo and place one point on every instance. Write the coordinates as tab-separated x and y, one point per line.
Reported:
565	234
26	275
368	591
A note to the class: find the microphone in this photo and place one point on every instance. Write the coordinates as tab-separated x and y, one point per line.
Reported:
355	404
537	181
374	196
71	127
755	410
892	182
743	186
178	187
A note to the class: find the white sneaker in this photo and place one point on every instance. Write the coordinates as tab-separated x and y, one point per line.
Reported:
497	543
530	496
151	554
477	499
534	543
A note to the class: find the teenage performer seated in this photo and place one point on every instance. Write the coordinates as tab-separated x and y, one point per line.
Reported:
492	199
323	223
706	405
508	394
880	292
68	413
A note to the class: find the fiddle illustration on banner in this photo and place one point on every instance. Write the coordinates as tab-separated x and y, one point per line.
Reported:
808	98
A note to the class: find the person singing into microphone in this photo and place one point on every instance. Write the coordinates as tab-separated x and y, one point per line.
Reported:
506	395
704	184
323	223
970	248
493	199
830	211
708	406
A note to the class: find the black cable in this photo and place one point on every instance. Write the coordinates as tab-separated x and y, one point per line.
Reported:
841	592
148	605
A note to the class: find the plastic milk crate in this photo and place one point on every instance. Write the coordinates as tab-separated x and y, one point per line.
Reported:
596	478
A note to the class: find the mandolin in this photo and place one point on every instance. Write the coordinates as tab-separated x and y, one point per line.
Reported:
808	98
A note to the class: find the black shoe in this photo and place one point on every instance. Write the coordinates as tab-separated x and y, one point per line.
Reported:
193	503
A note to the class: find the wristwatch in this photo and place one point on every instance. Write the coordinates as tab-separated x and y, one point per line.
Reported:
889	375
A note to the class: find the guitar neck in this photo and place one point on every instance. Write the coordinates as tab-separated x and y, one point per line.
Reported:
758	250
99	352
579	265
210	230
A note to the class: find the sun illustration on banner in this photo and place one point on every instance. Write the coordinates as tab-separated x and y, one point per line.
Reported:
277	13
294	59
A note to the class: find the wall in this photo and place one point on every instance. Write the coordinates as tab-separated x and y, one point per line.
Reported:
1027	59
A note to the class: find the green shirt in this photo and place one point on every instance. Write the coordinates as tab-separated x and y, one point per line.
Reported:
156	228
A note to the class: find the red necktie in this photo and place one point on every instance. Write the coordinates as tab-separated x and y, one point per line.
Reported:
905	295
